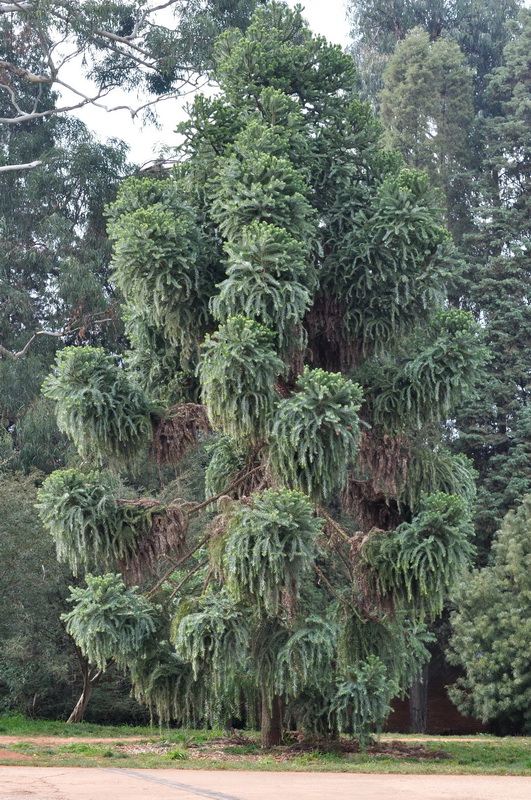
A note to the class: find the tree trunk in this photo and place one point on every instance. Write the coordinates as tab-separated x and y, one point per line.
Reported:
271	733
91	676
418	702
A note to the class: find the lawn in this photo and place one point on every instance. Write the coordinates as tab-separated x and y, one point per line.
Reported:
187	749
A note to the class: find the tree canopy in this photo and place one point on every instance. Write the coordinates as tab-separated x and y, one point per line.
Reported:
120	44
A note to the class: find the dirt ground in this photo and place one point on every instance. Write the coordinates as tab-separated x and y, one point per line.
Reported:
221	749
42	783
51	740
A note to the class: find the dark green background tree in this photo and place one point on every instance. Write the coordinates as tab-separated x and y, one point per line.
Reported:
492	629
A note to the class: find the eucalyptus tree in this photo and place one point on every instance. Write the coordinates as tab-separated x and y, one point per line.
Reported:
54	271
158	50
284	299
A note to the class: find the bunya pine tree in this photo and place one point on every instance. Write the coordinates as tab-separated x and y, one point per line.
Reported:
284	293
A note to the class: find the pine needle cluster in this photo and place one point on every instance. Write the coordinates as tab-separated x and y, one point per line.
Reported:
269	546
315	433
420	561
88	526
238	371
98	406
225	462
267	280
365	693
109	621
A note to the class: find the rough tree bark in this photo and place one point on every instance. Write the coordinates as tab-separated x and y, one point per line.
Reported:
271	728
418	702
91	676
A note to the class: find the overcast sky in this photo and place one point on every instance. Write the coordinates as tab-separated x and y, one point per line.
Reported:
326	17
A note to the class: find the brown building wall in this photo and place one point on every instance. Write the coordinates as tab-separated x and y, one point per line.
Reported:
443	716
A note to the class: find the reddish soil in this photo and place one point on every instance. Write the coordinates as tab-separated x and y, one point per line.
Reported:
222	748
11	754
51	740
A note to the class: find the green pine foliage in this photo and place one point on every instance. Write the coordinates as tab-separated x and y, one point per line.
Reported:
157	264
364	694
156	365
334	270
238	371
225	463
399	643
379	269
265	189
106	415
109	621
492	629
88	526
212	635
418	389
315	433
305	659
164	683
266	277
417	564
268	548
437	469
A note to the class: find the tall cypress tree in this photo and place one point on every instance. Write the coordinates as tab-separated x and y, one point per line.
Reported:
427	109
297	270
495	428
478	27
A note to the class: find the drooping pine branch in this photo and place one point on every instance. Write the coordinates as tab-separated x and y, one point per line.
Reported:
315	433
106	414
238	372
417	564
108	620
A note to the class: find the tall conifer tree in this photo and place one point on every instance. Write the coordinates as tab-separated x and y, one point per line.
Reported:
496	427
427	109
297	271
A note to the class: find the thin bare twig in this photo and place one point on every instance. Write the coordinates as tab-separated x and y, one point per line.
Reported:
231	488
329	586
187	577
176	564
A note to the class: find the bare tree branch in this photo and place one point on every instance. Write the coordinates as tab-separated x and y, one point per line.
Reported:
20	72
69	33
13	167
10	8
9	354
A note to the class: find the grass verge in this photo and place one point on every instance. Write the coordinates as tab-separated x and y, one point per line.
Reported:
154	749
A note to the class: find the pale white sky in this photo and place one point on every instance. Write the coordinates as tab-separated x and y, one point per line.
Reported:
326	17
